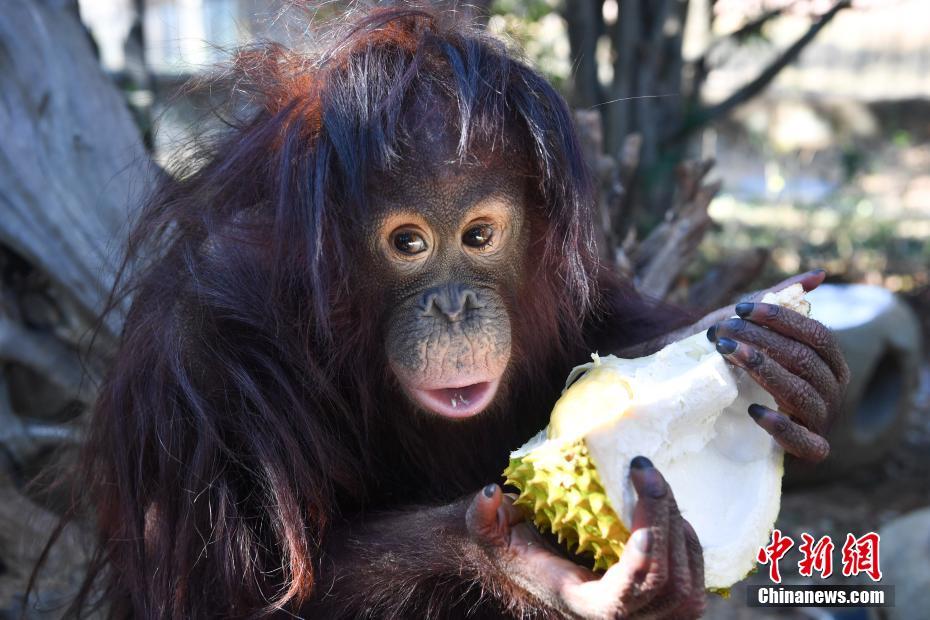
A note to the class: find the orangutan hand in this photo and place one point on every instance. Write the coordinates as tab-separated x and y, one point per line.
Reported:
660	574
796	359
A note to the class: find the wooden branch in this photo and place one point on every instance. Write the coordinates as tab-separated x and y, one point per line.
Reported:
660	259
72	164
726	279
670	73
701	65
619	110
585	24
751	27
754	87
24	529
46	356
606	178
21	441
622	208
71	160
647	72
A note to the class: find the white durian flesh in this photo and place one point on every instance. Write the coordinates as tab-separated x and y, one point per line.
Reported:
684	408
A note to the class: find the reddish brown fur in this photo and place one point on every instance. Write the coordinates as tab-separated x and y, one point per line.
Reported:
248	417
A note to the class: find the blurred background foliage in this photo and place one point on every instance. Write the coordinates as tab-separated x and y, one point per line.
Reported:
814	110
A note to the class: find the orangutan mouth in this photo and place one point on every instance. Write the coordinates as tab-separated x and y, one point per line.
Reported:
462	401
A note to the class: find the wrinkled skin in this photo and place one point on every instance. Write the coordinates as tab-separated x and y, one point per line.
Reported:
448	244
339	329
448	342
660	575
795	358
451	327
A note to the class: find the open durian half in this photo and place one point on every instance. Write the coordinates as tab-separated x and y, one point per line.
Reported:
684	408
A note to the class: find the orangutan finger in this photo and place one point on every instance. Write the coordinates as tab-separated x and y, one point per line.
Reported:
792	393
482	516
808	281
652	511
653	499
622	583
508	513
794	356
794	438
796	326
679	584
693	606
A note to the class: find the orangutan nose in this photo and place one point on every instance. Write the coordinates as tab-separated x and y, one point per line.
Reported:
452	301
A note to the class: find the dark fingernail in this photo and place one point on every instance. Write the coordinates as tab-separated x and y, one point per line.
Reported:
725	346
756	411
653	484
712	333
743	309
642	540
818	271
774	422
489	490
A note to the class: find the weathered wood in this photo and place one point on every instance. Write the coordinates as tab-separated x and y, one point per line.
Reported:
656	262
24	529
71	164
70	159
669	248
585	25
723	282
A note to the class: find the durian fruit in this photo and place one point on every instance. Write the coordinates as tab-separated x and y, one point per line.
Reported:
685	408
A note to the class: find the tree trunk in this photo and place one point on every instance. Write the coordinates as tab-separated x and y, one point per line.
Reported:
71	164
648	97
585	25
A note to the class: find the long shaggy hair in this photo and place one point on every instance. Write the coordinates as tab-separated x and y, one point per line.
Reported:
248	408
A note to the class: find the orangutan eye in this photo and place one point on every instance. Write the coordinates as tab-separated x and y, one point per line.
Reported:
409	242
479	236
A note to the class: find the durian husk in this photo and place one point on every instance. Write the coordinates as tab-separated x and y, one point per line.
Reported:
560	489
562	493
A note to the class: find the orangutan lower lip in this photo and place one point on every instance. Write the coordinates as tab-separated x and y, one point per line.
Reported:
457	402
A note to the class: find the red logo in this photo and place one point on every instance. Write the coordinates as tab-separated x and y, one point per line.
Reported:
817	556
773	552
860	555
